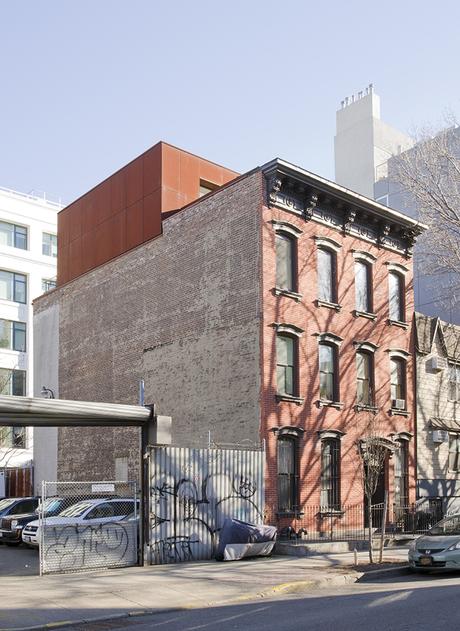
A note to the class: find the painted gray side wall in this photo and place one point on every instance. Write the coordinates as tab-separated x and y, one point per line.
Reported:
192	296
46	373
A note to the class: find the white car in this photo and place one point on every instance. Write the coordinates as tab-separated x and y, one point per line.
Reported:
86	512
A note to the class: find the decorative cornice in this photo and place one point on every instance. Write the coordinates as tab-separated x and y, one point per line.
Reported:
314	198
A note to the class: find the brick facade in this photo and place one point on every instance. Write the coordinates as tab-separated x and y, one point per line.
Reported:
194	313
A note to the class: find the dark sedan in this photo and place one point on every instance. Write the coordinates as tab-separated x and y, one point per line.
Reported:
11	507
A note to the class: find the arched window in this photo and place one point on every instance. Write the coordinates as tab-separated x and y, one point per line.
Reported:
288	473
365	378
327	275
398	383
396	295
286	261
363	286
330	473
328	372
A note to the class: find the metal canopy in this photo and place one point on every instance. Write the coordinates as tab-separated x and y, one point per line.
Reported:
39	412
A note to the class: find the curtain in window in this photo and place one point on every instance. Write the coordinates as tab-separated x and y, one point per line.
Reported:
284	262
327	385
454	447
364	378
397	377
285	364
396	297
326	275
362	289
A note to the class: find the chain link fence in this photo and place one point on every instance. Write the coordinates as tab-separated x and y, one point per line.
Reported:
86	526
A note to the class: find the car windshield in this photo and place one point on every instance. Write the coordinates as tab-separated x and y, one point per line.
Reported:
4	504
447	526
76	510
50	506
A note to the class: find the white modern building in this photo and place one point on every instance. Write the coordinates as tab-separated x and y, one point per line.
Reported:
364	143
28	251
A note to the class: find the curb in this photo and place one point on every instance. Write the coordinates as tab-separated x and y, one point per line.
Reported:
282	588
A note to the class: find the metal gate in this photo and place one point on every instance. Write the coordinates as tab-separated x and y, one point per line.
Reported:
86	526
193	491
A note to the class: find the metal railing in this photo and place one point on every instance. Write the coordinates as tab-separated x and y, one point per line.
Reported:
319	523
36	196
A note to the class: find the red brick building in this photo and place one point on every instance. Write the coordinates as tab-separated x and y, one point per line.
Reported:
277	307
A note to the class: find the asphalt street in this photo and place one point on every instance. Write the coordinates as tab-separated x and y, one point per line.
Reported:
18	561
402	603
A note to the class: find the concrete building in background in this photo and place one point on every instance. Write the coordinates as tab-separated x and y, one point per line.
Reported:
366	149
364	143
28	251
276	308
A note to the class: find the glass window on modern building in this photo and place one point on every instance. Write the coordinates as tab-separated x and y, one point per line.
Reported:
287	474
327	290
365	378
396	296
13	382
49	244
454	452
328	373
285	261
398	383
363	288
13	235
48	284
13	286
285	365
454	382
330	473
13	335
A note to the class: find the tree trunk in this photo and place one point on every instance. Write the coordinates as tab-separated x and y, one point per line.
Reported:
369	519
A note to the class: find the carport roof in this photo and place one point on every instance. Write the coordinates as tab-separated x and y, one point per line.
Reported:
39	412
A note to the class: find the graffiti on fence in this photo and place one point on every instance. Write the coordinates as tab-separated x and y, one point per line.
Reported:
75	547
188	511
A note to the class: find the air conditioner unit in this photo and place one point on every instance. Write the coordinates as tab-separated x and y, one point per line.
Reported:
438	363
440	436
399	404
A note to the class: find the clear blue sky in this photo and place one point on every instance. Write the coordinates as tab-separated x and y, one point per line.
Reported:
88	85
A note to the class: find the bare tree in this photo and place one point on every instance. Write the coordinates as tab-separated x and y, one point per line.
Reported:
429	179
374	452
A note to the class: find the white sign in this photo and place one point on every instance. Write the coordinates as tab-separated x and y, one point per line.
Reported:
103	488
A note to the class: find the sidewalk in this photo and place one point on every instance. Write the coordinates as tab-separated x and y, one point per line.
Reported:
54	600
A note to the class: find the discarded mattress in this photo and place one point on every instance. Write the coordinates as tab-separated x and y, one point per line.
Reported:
239	539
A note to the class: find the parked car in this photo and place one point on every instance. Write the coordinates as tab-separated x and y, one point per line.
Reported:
439	548
11	527
12	506
86	512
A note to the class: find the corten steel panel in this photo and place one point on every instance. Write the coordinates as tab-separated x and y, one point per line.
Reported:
152	215
75	221
170	168
117	192
64	227
134	225
163	178
134	181
75	261
152	169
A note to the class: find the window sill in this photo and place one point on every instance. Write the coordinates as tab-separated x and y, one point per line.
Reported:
395	412
329	404
289	398
365	314
402	325
366	408
328	305
289	294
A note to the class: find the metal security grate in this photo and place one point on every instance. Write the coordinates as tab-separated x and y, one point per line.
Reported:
86	526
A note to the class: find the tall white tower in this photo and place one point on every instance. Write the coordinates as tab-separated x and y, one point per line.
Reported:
364	143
